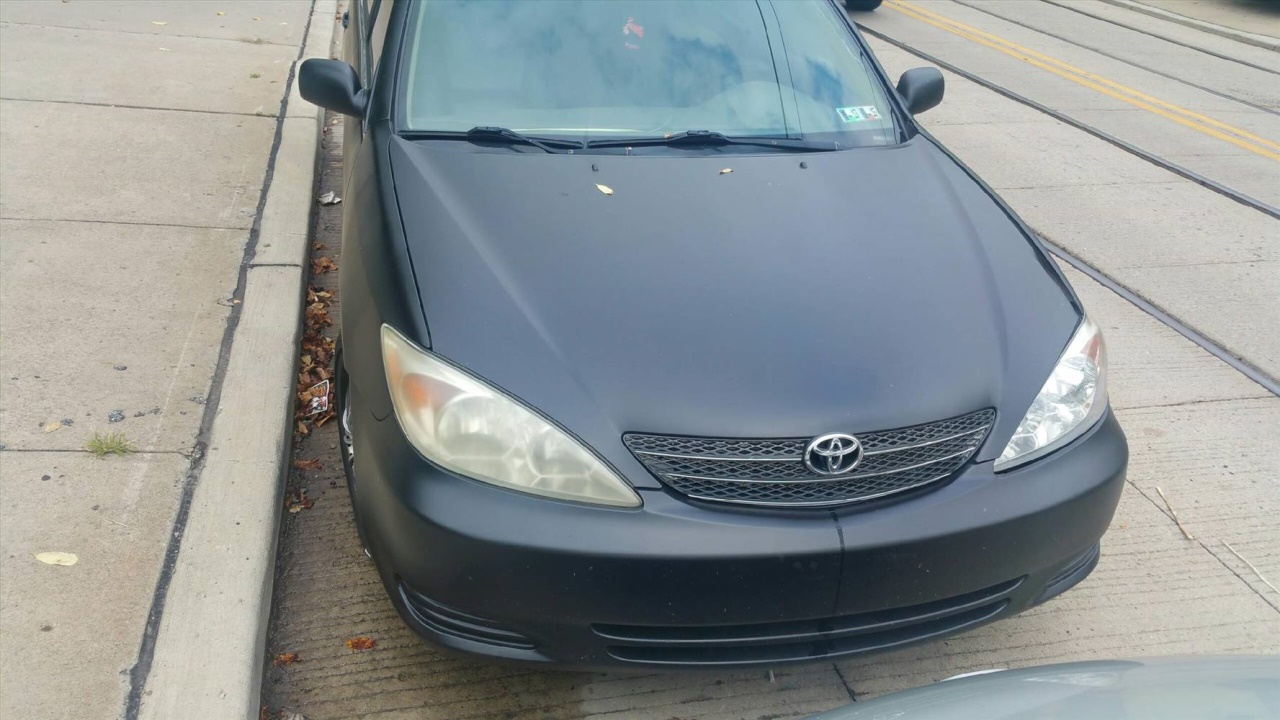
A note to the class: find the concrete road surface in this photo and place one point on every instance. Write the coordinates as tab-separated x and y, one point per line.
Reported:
1131	150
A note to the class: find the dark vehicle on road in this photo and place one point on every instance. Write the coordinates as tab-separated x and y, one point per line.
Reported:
669	339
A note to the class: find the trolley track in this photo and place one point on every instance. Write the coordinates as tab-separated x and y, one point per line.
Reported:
1206	51
1117	58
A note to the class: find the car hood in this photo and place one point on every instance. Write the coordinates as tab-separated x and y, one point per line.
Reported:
730	295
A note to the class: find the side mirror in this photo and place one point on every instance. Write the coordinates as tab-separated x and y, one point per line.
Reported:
921	88
333	85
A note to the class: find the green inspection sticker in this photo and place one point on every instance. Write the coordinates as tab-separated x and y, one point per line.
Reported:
860	113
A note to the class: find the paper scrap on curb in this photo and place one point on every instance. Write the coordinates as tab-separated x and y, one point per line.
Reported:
319	401
859	113
329	198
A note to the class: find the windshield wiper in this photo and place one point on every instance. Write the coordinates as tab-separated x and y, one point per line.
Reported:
494	134
712	138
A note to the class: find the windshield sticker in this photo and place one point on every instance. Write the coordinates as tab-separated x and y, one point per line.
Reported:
861	113
634	30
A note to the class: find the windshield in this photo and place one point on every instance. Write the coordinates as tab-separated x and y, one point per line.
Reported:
593	69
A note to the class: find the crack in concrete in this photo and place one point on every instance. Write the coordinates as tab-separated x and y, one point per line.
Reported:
845	682
183	453
1198	541
1191	402
158	36
138	107
126	222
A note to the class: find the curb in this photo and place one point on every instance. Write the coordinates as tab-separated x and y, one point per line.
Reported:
211	638
1263	41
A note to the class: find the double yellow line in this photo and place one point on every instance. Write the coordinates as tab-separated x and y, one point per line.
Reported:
1182	116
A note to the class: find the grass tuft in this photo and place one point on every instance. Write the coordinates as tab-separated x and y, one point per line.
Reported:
103	444
252	40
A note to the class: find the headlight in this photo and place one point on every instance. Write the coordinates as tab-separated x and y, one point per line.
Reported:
463	425
1071	401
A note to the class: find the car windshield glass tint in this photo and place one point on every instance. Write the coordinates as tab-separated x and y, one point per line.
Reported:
601	69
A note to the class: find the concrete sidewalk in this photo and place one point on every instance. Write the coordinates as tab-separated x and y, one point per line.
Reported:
137	142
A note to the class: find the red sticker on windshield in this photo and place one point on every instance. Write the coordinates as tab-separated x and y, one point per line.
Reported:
631	28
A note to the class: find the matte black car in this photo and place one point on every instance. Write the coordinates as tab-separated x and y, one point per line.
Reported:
670	339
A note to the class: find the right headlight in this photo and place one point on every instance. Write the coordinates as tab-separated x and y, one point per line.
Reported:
1071	401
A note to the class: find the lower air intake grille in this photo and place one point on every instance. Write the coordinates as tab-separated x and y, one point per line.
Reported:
804	639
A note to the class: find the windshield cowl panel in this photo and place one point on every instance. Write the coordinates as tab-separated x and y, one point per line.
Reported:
591	71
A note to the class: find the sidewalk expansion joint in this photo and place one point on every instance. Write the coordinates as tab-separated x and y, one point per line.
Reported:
139	107
125	222
158	36
183	453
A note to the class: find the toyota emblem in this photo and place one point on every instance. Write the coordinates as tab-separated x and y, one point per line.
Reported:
833	454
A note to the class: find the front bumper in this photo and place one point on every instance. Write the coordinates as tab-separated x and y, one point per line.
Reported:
493	572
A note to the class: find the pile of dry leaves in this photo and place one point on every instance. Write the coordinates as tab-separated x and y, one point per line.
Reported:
315	363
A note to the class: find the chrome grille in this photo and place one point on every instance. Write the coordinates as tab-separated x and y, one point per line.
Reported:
772	472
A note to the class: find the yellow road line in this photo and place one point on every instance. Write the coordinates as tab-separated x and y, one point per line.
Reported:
1195	121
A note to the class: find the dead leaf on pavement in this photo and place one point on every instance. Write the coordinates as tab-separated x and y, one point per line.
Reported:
322	265
317	316
361	643
311	464
284	659
57	558
297	502
51	426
